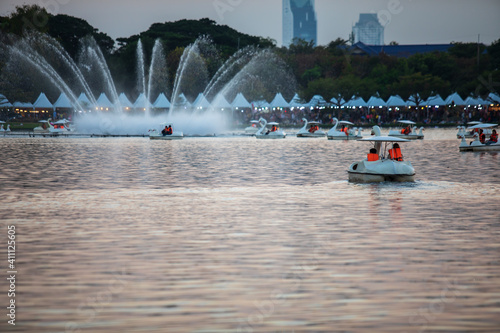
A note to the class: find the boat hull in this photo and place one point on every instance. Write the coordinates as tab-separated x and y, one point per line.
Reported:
166	137
270	136
381	171
317	134
377	178
344	137
481	147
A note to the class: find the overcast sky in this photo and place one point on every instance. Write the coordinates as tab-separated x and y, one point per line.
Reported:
405	21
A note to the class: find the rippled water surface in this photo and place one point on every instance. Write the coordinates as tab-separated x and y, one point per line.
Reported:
235	234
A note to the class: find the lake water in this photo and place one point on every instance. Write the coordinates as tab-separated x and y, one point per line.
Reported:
236	234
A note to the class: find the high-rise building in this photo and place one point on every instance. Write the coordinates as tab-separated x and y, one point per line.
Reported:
299	21
368	30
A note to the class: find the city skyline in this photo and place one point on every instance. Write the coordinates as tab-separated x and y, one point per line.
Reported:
404	21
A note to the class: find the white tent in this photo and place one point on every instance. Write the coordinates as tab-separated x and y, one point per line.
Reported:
335	102
142	102
162	102
201	102
21	105
356	102
103	102
494	98
395	101
84	101
376	101
317	101
4	102
435	100
220	102
279	102
262	104
454	99
63	102
240	102
124	102
42	102
181	101
297	102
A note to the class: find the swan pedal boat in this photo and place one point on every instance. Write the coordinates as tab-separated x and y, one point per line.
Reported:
264	134
384	169
155	134
469	132
413	134
304	131
252	129
476	145
334	134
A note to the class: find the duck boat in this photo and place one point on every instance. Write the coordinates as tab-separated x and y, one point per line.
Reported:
273	133
384	163
156	134
44	126
469	131
60	126
310	130
476	145
407	130
253	128
346	132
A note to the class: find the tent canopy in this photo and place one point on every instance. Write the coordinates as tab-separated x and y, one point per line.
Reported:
63	102
395	101
201	102
279	102
142	102
454	99
104	102
241	102
162	102
42	102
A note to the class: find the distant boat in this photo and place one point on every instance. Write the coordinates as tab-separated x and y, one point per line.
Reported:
310	130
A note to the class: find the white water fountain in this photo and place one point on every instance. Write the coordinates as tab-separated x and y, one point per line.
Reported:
249	68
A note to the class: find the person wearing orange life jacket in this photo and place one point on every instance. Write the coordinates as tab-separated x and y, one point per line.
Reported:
395	153
406	130
482	136
372	155
493	137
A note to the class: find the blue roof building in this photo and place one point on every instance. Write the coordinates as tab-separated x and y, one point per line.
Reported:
400	51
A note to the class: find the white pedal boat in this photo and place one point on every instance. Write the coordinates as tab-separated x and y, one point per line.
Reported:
347	132
156	134
307	132
384	168
471	129
477	145
273	133
252	129
413	135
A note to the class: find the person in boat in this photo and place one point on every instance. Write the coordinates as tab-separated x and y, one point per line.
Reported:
372	155
493	137
167	130
406	130
482	136
395	153
274	128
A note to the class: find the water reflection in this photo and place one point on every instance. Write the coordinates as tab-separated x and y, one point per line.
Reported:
237	234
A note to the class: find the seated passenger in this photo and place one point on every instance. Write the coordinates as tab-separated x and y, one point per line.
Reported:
372	155
482	136
164	131
395	153
493	137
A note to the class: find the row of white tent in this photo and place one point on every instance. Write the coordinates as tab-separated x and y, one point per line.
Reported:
240	102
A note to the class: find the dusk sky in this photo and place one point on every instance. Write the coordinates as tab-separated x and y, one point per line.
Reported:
405	21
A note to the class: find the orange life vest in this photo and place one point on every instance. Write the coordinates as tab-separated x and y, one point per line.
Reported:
395	154
494	137
482	137
372	157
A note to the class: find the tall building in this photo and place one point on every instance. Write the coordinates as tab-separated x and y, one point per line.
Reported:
299	21
368	30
